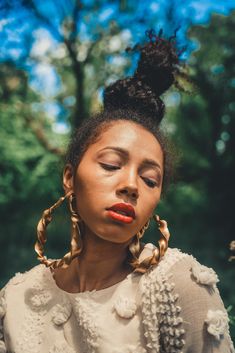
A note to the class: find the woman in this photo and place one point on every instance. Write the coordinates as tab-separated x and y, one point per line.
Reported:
111	293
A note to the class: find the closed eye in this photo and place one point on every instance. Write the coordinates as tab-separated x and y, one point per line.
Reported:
109	166
151	183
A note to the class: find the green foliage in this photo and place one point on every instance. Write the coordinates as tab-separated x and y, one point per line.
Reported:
198	208
29	175
231	315
25	167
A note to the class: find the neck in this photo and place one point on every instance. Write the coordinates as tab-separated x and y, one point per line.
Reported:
100	265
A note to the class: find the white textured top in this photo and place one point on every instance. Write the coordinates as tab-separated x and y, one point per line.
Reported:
173	308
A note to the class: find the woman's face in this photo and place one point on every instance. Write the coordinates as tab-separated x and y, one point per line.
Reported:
118	181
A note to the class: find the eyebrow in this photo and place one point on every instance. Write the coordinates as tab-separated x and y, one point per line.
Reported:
125	153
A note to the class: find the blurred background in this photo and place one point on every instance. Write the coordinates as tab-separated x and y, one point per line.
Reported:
56	58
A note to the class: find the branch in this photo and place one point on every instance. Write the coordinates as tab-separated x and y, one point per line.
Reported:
42	139
44	19
91	48
72	52
75	16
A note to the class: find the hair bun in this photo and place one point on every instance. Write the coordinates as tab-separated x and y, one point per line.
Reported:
157	66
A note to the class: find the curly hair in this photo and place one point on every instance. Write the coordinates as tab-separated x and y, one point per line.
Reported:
136	99
157	69
92	128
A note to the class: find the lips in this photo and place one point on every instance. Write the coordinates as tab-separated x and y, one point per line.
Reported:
123	208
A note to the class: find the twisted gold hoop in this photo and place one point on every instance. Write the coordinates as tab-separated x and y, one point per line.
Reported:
158	252
134	246
76	241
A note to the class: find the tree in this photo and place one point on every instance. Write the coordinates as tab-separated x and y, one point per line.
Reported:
85	51
200	206
205	123
85	36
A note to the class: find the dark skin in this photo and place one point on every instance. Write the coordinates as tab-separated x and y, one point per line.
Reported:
124	165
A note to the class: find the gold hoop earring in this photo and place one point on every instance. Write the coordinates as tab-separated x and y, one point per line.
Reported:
134	246
143	229
158	252
76	240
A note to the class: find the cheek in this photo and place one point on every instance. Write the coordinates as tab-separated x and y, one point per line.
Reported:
93	185
151	200
94	192
150	205
89	193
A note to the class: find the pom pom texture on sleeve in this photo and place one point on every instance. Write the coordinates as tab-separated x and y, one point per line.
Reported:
2	314
125	307
217	323
204	275
144	314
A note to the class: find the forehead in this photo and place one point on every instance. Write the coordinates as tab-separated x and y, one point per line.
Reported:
130	136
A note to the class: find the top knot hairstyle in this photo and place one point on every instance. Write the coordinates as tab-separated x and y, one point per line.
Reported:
157	69
136	99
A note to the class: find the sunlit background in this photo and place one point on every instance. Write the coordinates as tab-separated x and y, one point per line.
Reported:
56	58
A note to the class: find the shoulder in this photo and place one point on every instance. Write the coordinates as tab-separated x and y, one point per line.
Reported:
29	300
34	288
28	276
188	304
36	278
191	284
181	266
13	302
24	291
191	280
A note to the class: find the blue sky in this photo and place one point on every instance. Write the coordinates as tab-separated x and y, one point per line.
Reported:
29	42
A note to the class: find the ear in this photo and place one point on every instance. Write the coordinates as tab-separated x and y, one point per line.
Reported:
68	178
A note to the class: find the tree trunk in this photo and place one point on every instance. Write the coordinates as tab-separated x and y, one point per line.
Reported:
78	69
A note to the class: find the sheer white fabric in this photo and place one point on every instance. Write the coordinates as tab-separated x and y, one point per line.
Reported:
173	308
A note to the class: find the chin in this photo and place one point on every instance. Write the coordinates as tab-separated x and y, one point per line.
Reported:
113	233
115	237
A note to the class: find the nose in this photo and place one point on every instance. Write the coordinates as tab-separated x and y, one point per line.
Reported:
128	186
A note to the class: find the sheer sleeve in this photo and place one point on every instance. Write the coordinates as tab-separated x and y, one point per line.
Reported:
204	317
2	314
